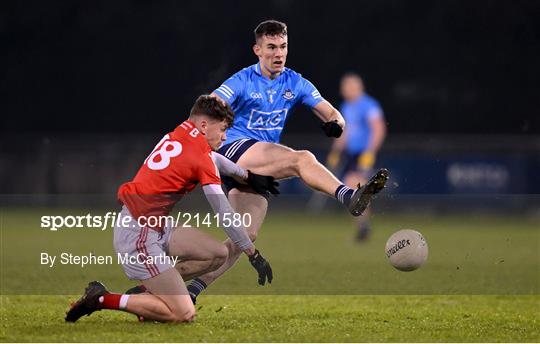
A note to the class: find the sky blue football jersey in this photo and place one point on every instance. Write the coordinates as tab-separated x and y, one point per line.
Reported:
261	106
357	114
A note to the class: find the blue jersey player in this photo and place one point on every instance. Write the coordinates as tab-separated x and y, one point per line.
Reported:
358	146
262	96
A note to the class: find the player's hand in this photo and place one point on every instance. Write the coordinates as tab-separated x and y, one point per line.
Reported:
264	185
332	129
366	160
262	266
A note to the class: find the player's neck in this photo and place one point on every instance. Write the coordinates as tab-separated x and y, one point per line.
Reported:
267	74
356	97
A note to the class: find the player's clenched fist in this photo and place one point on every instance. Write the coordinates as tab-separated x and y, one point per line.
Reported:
264	185
332	129
262	266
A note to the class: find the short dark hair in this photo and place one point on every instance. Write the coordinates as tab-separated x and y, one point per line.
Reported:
352	75
213	108
270	28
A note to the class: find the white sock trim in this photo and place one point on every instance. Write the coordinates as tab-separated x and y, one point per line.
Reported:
342	192
123	301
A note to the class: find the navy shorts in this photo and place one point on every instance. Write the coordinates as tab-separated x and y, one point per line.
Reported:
233	151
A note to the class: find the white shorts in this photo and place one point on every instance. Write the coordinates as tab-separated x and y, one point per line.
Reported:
141	250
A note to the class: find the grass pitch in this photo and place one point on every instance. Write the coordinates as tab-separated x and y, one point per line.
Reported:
290	319
481	283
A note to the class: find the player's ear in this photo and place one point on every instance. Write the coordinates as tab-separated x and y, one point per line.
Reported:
204	126
257	49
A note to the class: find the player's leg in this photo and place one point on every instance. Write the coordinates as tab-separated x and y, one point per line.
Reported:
283	162
169	287
167	300
199	252
243	201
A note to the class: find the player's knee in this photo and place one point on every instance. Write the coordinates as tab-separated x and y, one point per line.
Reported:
186	314
220	256
303	158
162	310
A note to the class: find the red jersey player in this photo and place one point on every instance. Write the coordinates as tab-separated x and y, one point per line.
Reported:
146	239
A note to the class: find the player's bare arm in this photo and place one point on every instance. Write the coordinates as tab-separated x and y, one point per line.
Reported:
333	121
328	113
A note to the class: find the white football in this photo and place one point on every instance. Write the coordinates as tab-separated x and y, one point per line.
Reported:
407	250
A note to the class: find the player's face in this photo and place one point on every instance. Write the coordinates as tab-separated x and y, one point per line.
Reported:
272	53
351	88
215	133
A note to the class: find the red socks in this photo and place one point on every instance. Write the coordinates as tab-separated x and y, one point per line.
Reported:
110	301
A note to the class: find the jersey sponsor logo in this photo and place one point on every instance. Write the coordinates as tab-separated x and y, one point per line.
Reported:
260	120
288	94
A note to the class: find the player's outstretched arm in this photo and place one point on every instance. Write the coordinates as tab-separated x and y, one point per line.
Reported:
264	185
238	235
229	168
333	121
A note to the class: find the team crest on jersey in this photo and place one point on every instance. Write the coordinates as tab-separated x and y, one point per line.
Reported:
271	93
288	94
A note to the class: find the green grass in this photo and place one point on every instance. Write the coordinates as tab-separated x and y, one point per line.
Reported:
290	319
481	283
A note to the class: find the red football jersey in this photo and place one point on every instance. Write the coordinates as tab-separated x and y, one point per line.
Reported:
180	161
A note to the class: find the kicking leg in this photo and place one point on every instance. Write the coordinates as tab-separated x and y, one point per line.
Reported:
283	162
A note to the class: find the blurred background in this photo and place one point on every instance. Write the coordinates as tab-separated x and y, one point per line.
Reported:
90	87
